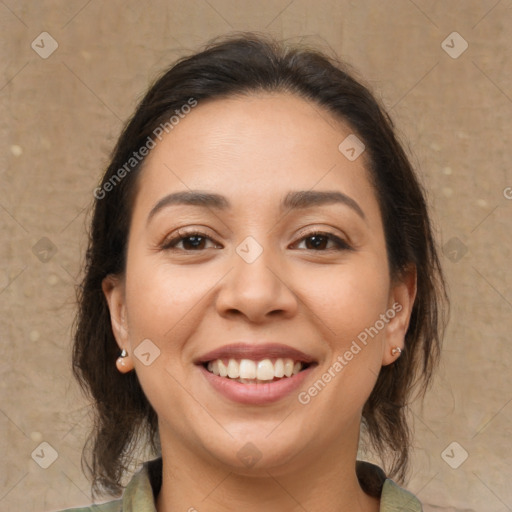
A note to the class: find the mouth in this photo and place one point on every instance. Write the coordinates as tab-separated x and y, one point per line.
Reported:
250	371
255	373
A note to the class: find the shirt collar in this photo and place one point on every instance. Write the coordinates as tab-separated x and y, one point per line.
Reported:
141	493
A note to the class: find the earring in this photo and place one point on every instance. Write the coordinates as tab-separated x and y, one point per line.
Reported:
120	360
395	351
124	362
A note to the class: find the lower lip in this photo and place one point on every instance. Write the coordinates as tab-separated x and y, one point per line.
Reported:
256	394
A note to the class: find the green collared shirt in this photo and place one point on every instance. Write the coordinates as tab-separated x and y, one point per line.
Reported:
141	492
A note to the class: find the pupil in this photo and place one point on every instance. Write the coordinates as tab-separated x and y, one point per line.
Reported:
196	243
318	240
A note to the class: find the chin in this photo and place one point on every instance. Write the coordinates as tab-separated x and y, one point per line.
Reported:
255	453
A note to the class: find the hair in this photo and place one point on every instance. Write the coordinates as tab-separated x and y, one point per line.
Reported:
239	64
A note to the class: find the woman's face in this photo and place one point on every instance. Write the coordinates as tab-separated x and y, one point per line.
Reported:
263	266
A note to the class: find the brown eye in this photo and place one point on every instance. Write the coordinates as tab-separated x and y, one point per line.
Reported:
318	241
193	241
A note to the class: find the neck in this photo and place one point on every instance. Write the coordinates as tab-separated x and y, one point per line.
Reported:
324	482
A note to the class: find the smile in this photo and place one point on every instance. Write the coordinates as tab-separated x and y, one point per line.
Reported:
255	373
248	371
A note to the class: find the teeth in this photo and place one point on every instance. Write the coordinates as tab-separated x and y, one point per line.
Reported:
247	370
279	368
213	366
288	367
265	370
233	369
223	369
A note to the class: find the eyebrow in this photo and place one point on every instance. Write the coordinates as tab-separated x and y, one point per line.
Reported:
293	200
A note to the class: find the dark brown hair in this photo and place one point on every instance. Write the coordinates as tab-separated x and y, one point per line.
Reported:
242	64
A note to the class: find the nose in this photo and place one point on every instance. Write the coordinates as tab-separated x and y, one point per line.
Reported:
257	289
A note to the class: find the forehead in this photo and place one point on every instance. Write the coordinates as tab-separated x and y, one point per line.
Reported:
255	147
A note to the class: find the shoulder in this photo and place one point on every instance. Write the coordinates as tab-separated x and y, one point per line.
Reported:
394	498
110	506
139	495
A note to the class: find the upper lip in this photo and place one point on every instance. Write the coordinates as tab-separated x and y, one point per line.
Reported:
255	352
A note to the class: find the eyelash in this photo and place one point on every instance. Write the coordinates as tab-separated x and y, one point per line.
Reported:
342	245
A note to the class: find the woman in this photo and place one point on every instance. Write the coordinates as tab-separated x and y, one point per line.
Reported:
261	287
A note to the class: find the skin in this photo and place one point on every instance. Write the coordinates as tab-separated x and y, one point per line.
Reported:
254	150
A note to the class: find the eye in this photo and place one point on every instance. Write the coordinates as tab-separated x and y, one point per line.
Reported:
319	240
194	241
191	241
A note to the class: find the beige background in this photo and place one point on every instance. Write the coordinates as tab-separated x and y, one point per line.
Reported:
61	116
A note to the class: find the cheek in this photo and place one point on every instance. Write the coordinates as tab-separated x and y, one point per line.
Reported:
161	298
348	298
163	303
347	302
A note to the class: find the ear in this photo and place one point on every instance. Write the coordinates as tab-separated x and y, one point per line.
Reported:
401	301
114	291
